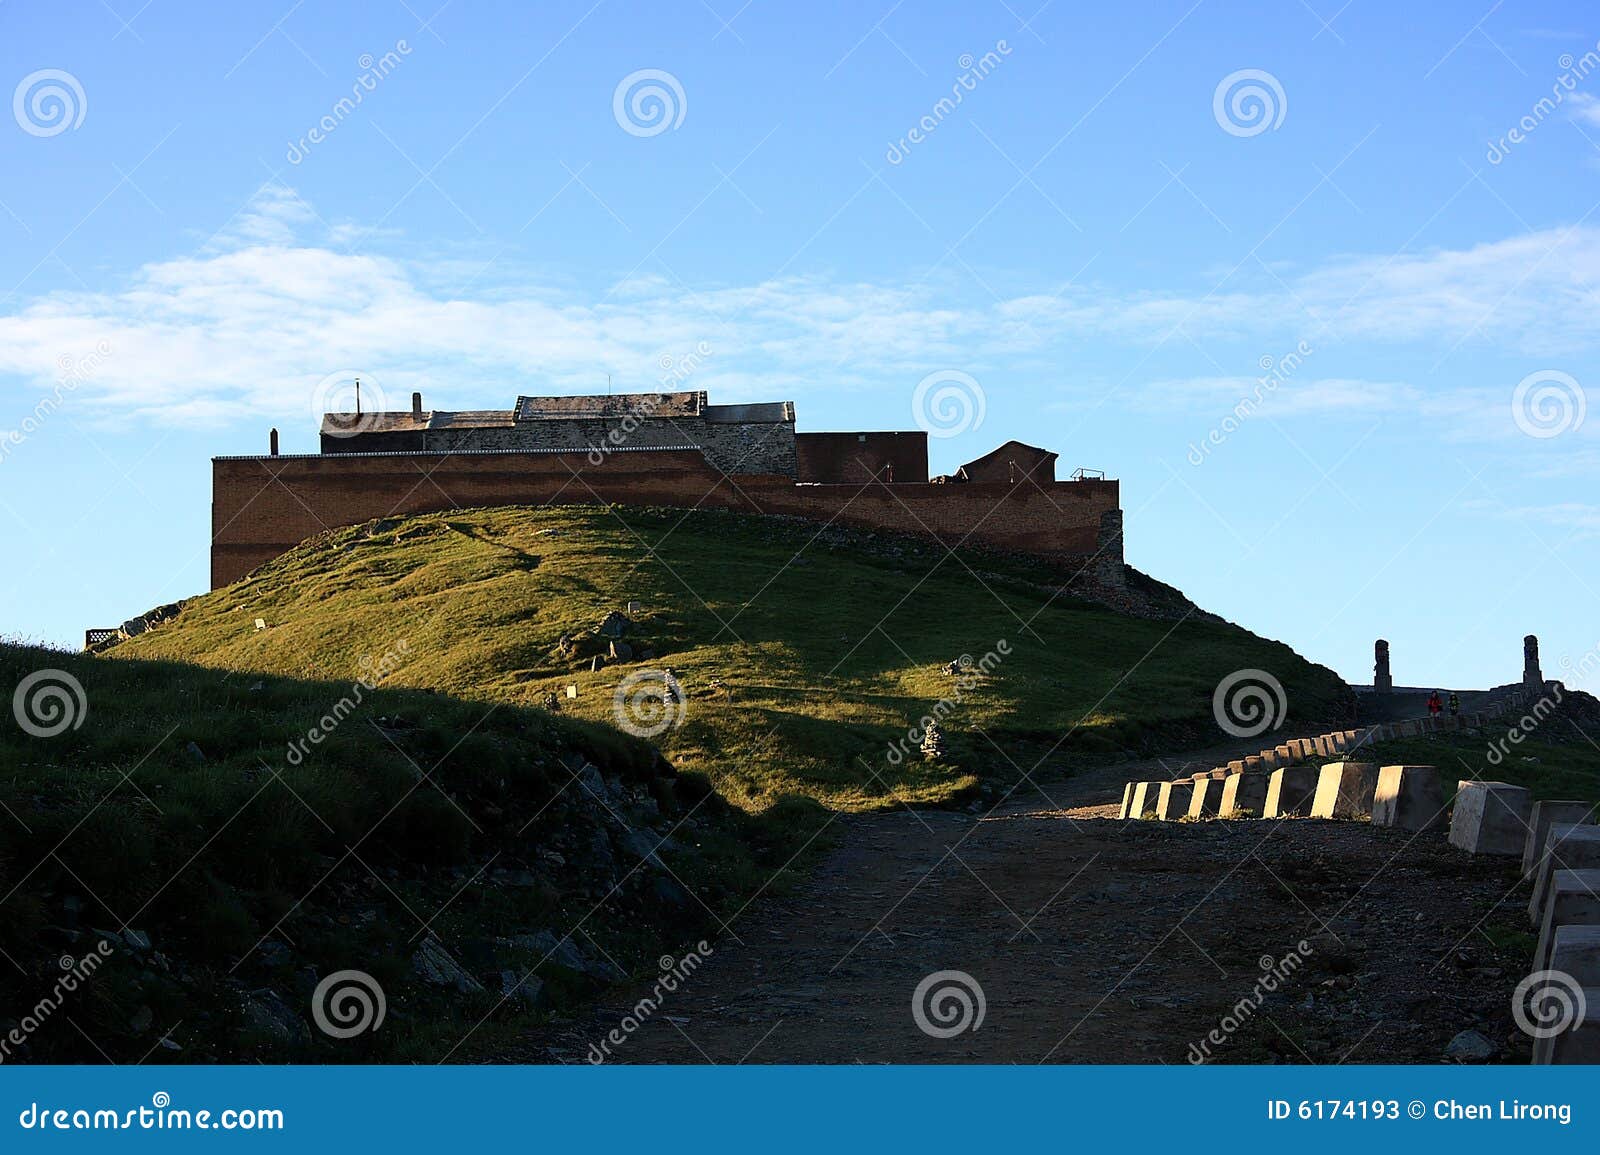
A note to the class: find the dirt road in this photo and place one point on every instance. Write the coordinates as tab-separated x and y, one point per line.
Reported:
1095	940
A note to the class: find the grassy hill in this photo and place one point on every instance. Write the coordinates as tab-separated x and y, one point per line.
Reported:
185	818
806	654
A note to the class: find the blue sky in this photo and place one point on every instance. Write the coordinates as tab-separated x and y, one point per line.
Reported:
1112	250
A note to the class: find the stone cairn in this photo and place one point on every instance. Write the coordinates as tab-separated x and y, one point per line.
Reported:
933	742
1382	682
1531	677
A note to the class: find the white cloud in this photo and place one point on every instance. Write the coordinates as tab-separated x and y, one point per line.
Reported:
1585	107
258	316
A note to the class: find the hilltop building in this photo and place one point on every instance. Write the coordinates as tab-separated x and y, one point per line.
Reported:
660	449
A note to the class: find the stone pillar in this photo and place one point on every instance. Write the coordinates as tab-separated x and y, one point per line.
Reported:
1381	681
1531	677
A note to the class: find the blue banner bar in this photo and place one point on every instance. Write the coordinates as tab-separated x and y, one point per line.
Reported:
746	1109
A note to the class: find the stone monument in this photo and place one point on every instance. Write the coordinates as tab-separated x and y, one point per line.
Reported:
1531	677
1381	681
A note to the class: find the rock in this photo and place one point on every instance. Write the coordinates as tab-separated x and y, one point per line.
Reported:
529	991
516	878
142	1020
136	940
564	953
433	964
264	1011
638	844
1469	1047
621	652
273	953
670	892
933	748
613	625
196	753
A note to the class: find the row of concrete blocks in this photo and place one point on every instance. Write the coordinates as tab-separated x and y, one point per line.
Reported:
1210	794
1562	856
1408	797
1558	841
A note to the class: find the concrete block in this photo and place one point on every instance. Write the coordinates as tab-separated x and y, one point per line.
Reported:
1198	775
1490	817
1173	802
1338	743
1220	772
1575	951
1127	796
1579	1043
1270	760
1345	790
1206	799
1244	794
1143	802
1571	899
1539	819
1252	764
1286	756
1236	767
1408	798
1290	791
1567	847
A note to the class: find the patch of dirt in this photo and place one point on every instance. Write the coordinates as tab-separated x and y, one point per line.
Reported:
1099	941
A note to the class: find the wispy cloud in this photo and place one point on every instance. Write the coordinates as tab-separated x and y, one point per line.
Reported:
255	318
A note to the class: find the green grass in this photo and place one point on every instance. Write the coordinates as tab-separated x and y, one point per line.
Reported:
827	643
1554	761
176	808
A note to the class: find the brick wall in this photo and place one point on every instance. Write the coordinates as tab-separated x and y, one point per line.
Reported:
262	506
856	458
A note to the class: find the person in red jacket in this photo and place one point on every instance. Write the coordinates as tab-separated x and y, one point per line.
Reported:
1434	705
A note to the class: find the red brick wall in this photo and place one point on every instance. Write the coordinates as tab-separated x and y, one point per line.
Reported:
262	506
860	457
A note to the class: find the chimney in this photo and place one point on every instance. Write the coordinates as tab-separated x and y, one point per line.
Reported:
358	397
416	405
272	443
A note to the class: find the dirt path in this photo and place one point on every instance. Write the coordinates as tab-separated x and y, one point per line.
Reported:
1096	940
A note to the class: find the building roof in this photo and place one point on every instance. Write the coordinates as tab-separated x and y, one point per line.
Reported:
1011	447
404	421
609	405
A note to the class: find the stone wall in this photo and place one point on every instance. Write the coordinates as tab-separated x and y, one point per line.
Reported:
733	447
263	506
